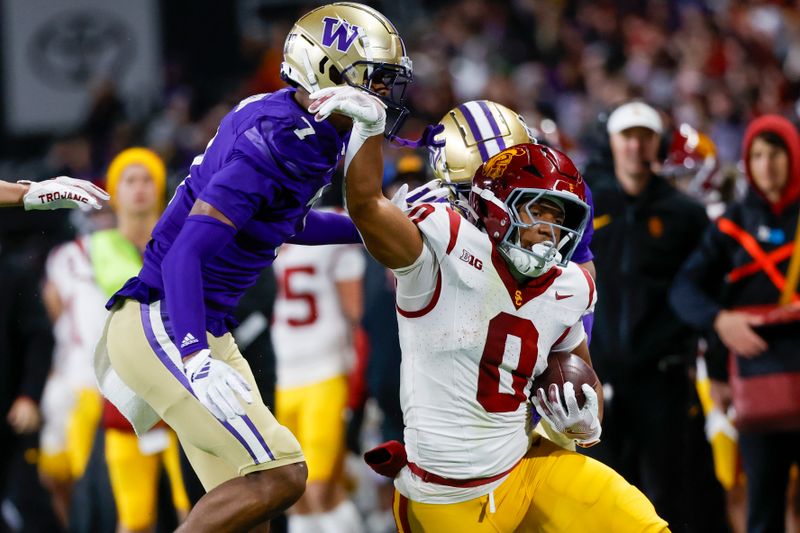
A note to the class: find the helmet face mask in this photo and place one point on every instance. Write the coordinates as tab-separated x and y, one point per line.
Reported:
505	192
353	44
386	81
523	206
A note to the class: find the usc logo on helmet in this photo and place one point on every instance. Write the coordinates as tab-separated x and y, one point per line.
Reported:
495	166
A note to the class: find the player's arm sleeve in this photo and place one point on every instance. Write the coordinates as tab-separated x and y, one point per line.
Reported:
418	284
201	238
695	290
32	337
439	225
571	338
327	228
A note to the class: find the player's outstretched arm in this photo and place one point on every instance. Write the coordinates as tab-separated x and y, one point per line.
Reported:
326	228
56	193
11	193
391	238
205	233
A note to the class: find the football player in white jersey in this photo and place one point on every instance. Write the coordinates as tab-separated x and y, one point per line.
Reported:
318	306
71	404
473	132
481	304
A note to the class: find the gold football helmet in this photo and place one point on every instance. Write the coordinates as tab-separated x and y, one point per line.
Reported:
349	43
474	132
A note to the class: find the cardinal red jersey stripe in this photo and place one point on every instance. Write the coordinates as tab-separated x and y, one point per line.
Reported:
420	213
455	223
590	281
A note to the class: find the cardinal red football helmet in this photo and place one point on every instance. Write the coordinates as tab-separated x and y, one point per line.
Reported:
514	180
692	163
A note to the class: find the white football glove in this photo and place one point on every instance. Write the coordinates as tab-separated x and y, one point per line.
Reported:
367	111
431	192
62	192
580	424
215	383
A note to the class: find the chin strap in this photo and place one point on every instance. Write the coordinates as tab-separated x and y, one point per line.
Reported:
427	139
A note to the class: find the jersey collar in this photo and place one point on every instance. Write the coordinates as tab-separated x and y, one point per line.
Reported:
522	292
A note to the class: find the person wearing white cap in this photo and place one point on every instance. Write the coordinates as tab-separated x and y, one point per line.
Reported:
644	229
634	129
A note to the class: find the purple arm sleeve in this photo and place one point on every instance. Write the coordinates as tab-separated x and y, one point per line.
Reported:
588	322
327	228
201	238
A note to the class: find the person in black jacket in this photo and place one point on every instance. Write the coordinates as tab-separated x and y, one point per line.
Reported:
723	275
26	345
644	230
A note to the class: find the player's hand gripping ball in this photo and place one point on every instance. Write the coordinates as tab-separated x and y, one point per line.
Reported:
568	395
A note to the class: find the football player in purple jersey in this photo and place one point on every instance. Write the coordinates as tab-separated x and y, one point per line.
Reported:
168	351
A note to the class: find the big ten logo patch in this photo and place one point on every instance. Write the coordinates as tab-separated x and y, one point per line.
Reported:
495	166
471	260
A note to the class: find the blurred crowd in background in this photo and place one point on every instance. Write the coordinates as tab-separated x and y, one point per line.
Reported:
712	65
562	65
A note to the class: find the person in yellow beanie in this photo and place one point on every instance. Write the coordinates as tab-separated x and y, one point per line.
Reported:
127	161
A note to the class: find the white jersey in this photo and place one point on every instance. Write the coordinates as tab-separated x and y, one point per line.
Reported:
80	325
76	332
311	335
472	341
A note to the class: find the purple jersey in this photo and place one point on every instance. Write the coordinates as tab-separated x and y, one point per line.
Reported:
582	252
264	168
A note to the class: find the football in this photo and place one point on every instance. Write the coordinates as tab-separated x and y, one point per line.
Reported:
563	367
